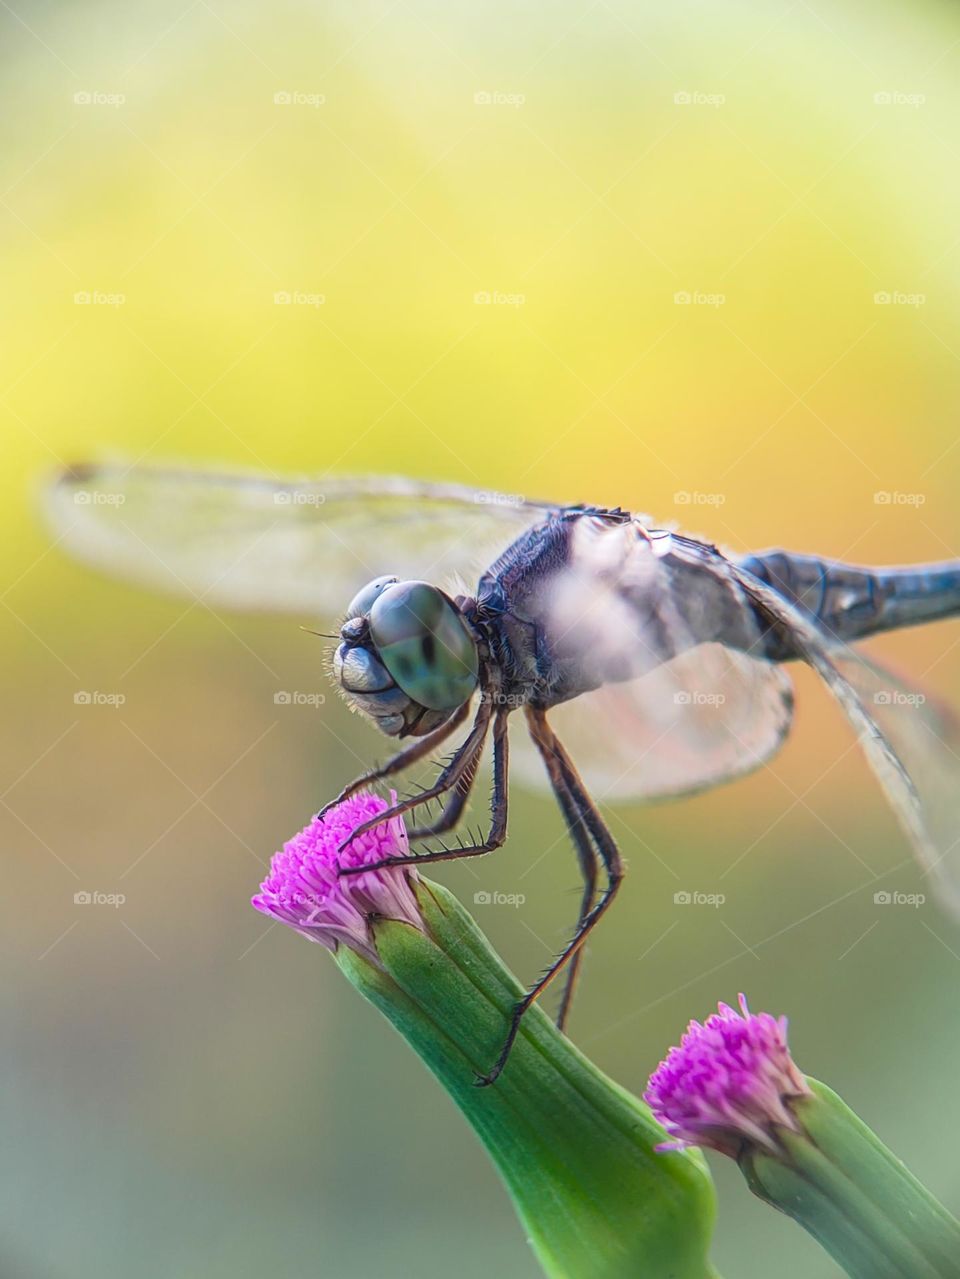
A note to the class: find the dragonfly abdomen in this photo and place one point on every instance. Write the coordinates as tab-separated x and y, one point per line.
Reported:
851	602
919	593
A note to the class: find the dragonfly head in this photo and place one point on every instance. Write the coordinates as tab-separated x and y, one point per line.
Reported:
406	658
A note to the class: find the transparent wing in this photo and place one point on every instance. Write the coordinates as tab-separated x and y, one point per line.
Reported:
704	718
647	617
911	742
292	546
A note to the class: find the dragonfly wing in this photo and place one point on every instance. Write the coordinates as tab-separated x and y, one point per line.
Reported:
298	546
707	717
911	741
676	710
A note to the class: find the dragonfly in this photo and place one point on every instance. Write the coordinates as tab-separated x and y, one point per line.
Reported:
644	663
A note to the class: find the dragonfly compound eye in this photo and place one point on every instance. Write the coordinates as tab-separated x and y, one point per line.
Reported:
362	602
424	644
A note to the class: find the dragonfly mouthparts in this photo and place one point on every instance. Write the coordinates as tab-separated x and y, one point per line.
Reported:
370	688
354	630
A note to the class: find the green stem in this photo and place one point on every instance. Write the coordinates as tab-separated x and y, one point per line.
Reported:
837	1179
575	1150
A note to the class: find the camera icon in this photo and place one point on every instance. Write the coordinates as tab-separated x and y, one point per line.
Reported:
882	299
683	298
282	699
82	899
682	899
82	698
682	98
482	298
682	498
282	98
482	899
482	98
682	698
882	898
282	298
83	98
883	699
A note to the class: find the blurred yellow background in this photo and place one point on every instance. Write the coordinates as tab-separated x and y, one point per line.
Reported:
187	1094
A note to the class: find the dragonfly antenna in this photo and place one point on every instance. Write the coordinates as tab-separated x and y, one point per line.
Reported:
322	634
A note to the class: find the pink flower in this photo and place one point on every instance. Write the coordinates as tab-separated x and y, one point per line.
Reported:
727	1083
305	890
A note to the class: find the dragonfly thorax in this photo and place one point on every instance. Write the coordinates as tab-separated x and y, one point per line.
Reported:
407	658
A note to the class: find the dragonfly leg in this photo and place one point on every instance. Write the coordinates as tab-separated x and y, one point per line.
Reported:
590	872
453	809
546	743
448	778
587	819
403	759
498	807
588	868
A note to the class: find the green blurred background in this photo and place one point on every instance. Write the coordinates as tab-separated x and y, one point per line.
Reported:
185	1093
